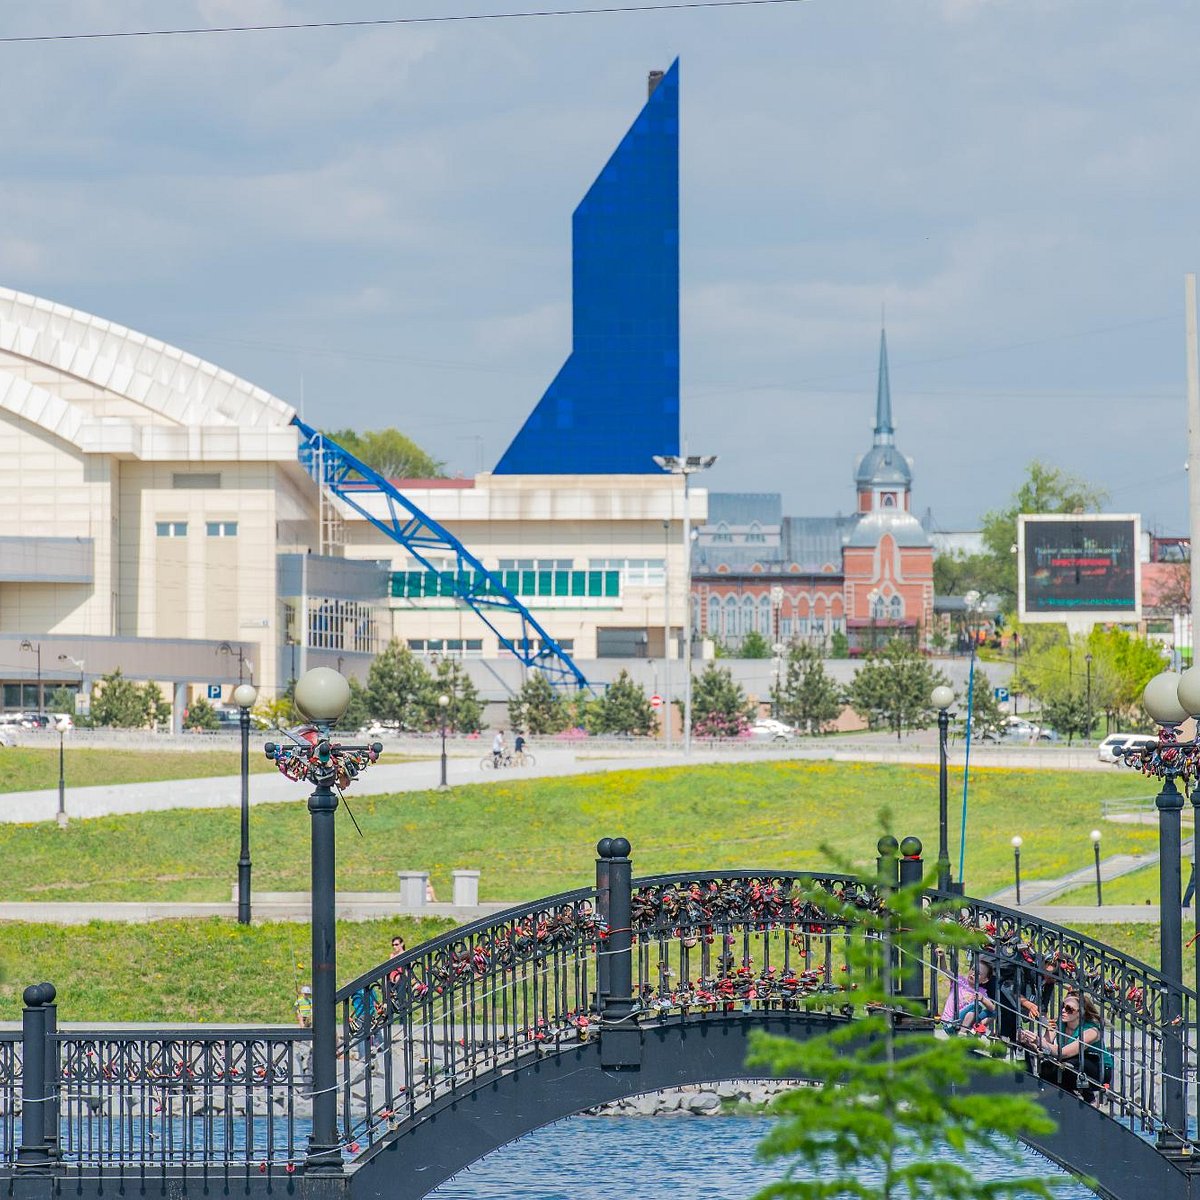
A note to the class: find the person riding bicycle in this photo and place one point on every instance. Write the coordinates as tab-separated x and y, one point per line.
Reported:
498	747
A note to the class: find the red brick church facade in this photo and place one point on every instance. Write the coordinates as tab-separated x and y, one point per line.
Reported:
868	574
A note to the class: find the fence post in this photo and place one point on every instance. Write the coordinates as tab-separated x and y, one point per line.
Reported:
620	1038
912	870
887	869
33	1155
53	1077
604	916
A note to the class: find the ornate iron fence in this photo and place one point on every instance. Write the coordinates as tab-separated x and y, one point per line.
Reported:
535	981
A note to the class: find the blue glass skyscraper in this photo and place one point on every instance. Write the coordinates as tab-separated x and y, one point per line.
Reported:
615	402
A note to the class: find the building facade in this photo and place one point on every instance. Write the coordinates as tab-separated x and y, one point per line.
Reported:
866	575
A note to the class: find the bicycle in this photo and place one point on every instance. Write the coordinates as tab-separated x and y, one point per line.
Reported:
492	762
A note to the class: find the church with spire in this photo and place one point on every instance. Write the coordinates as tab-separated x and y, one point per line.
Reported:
867	575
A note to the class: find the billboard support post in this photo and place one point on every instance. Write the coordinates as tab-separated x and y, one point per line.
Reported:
1193	455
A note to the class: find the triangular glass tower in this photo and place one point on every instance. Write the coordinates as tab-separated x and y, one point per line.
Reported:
615	402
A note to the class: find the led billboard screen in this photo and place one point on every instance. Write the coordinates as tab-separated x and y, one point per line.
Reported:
1084	565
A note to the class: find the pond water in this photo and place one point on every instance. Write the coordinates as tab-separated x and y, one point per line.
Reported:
686	1158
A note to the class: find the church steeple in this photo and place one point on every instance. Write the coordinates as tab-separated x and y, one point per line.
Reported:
884	433
883	478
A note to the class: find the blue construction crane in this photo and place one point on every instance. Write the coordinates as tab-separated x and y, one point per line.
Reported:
352	481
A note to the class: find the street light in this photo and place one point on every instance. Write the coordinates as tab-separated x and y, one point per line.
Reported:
444	704
244	696
36	647
1016	845
1096	849
686	465
61	726
1087	658
942	697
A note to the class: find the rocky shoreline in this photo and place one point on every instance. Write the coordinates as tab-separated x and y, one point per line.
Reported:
697	1100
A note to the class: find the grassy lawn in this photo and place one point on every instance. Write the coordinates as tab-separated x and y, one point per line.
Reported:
530	838
213	971
537	836
31	769
1138	887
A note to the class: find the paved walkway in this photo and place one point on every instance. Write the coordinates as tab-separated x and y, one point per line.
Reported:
387	778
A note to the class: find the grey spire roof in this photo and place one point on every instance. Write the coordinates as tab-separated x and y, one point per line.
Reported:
883	465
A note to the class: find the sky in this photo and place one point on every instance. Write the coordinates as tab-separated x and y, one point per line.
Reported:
374	223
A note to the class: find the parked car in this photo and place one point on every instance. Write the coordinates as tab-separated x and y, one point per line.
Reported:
767	729
7	736
1020	730
37	720
1109	749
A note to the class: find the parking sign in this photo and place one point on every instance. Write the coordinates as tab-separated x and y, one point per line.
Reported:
214	691
1001	695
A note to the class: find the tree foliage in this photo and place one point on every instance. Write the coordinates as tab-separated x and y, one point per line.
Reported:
123	704
397	687
61	700
389	452
895	1103
538	708
892	688
754	645
624	708
719	704
464	713
806	697
986	715
358	711
201	716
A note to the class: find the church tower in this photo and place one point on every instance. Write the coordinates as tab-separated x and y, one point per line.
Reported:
884	476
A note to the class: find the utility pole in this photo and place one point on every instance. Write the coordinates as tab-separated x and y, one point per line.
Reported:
1193	455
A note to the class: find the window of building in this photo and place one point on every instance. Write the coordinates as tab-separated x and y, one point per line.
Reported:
715	627
756	534
221	529
536	564
897	607
785	628
195	480
764	616
341	625
171	529
635	572
889	499
878	608
722	534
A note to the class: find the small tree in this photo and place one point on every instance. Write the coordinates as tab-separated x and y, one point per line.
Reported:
891	690
1067	712
62	700
465	711
538	708
839	645
397	687
624	708
276	714
754	645
201	716
158	711
890	1104
358	711
986	716
719	705
120	703
806	697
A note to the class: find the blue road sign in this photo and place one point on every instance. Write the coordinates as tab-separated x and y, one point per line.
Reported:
214	691
1001	694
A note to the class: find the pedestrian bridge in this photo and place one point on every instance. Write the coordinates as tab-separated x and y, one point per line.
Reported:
477	1037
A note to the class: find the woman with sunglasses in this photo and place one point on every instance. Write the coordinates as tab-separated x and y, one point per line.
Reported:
1068	1051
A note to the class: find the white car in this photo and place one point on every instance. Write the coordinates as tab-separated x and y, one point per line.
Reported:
767	729
7	736
1108	750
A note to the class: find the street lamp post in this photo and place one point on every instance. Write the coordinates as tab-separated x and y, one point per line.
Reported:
244	696
1087	658
1096	850
36	648
321	697
1169	699
444	704
61	726
686	465
1016	845
668	703
942	698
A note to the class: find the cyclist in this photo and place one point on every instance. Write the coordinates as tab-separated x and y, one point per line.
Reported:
498	747
519	745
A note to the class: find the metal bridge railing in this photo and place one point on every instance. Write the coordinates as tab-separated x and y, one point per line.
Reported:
540	979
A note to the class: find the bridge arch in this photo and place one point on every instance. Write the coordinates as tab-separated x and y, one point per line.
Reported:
498	1108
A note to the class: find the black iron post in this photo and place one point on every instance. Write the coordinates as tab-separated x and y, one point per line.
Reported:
604	916
324	1156
618	1003
887	869
1087	658
33	1154
943	819
1174	1109
53	1075
1099	889
444	783
1016	845
243	905
912	870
